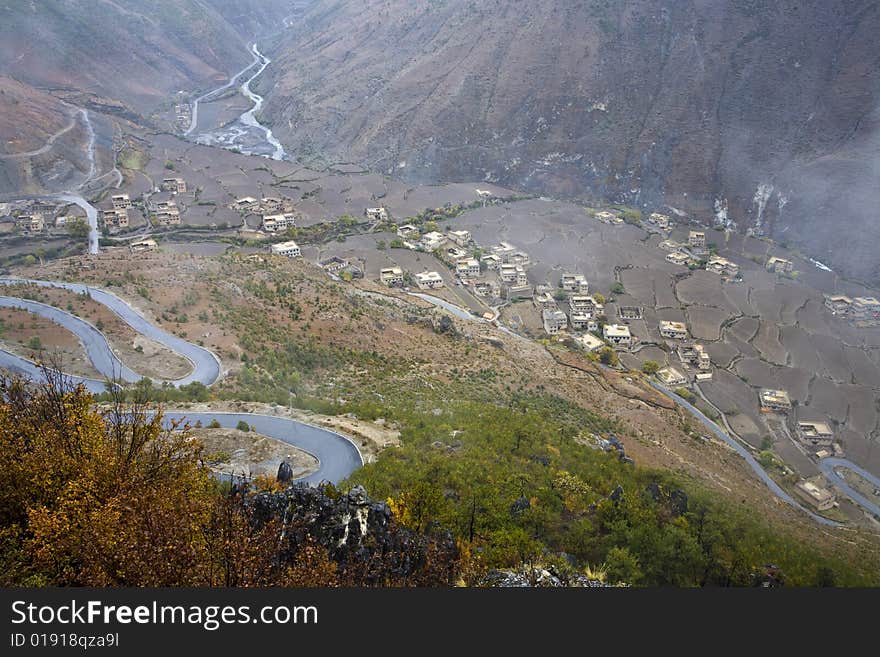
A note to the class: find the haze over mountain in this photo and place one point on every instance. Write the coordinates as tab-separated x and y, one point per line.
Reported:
759	113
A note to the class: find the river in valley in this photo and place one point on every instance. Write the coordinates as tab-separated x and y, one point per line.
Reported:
245	134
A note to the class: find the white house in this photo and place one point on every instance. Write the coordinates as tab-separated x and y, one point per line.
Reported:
617	334
429	280
468	268
287	249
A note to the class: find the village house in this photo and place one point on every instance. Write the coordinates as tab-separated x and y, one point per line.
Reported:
815	494
142	246
589	342
838	304
582	321
815	434
174	185
120	201
659	220
61	222
168	214
608	217
865	308
671	245
460	237
488	289
584	303
408	231
391	276
455	253
468	268
544	300
289	249
697	239
492	262
554	320
504	250
779	265
520	258
513	275
671	377
695	354
576	283
117	218
432	241
702	377
617	334
677	258
271	204
774	401
429	280
376	214
245	204
629	313
30	223
722	266
275	222
673	330
334	264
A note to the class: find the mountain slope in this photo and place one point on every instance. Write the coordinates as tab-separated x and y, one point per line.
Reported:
728	110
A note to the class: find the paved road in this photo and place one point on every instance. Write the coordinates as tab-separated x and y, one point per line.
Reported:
829	468
96	345
338	457
206	366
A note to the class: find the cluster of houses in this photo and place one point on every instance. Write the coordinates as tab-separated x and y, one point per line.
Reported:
502	266
31	218
863	311
117	215
264	206
583	309
30	224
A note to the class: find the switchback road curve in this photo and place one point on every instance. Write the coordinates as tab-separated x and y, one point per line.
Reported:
338	456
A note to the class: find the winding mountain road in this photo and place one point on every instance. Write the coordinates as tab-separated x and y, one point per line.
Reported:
338	456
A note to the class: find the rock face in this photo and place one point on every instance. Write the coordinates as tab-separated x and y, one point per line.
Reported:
359	534
757	113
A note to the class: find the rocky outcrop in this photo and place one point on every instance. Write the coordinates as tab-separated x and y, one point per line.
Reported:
538	578
359	534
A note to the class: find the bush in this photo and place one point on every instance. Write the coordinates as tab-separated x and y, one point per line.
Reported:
214	424
243	426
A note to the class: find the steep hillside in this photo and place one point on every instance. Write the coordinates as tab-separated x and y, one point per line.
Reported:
119	57
747	111
130	50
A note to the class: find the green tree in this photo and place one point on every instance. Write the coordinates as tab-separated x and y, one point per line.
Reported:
617	288
607	356
650	367
243	426
621	566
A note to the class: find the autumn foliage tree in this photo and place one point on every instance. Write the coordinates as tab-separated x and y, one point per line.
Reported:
114	496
